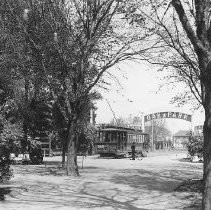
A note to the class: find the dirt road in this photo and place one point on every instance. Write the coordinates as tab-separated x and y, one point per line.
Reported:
106	184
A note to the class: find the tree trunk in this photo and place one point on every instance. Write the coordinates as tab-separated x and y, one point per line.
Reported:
26	146
72	166
64	137
63	155
206	203
24	142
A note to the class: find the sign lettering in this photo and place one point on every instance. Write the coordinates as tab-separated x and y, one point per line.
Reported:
174	115
159	115
180	115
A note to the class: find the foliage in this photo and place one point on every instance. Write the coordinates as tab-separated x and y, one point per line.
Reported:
63	48
171	51
41	121
133	121
160	132
5	171
11	136
35	154
119	122
88	136
195	146
146	144
186	26
73	55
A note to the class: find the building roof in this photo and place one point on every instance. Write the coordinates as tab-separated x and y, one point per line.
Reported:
182	133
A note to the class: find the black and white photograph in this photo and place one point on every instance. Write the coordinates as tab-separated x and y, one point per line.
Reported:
105	104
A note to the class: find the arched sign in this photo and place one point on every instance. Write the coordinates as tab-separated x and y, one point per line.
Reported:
160	115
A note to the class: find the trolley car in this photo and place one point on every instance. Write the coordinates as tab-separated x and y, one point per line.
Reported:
116	141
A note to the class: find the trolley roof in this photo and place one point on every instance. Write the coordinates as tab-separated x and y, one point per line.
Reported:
121	129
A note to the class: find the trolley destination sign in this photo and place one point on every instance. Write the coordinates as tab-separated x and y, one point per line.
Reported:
160	115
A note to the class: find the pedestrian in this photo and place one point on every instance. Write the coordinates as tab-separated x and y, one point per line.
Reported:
133	150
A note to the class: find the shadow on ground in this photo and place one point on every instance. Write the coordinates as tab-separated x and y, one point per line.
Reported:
188	160
146	180
185	160
192	186
114	188
165	181
4	191
139	185
105	201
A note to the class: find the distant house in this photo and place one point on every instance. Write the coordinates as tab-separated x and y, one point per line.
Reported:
198	130
180	138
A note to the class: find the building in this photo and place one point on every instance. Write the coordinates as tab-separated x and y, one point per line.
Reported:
198	130
180	139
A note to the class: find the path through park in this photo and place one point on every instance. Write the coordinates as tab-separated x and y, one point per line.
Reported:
106	184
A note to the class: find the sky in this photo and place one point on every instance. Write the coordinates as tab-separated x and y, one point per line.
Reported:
135	92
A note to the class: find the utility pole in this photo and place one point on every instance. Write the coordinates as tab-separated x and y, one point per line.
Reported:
111	110
152	135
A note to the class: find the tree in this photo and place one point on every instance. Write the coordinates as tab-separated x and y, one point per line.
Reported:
91	136
67	47
135	121
119	122
178	58
19	82
160	133
71	45
10	142
5	171
185	35
170	49
200	39
80	52
41	121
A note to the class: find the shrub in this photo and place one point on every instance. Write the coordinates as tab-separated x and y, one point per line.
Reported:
195	146
35	154
5	171
10	138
